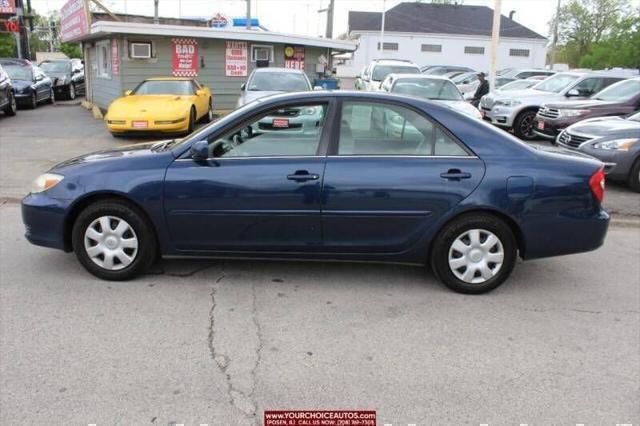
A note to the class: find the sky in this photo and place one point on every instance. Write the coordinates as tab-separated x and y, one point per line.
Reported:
301	16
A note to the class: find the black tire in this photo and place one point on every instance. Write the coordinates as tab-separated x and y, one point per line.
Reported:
52	97
634	176
208	117
33	104
146	249
192	121
523	125
116	135
452	231
12	108
71	95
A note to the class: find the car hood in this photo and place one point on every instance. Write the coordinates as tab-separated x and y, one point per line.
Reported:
149	106
588	103
57	74
20	84
251	95
524	93
129	151
606	126
463	107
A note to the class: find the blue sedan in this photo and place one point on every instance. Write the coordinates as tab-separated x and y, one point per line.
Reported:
375	177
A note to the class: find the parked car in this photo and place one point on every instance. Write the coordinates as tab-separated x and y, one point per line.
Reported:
621	98
162	105
467	83
444	69
358	84
431	87
379	69
67	76
457	194
31	86
270	81
520	74
7	97
613	140
518	85
451	74
516	109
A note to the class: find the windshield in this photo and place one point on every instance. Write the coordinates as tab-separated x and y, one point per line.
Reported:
17	72
59	66
620	91
427	89
279	82
380	72
164	87
635	117
556	83
465	76
518	85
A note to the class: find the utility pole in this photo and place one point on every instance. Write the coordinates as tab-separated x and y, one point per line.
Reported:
248	23
555	36
329	30
156	5
495	37
382	28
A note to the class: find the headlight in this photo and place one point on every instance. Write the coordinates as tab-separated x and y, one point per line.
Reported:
507	102
617	144
572	112
44	182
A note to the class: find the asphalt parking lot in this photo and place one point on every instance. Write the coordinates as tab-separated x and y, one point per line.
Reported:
212	342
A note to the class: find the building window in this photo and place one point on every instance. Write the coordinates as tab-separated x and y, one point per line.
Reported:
140	50
389	46
103	58
519	52
261	53
474	50
431	48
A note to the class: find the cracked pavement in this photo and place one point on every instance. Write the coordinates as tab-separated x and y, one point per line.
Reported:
218	342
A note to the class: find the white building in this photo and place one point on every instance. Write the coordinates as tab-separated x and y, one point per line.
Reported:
438	34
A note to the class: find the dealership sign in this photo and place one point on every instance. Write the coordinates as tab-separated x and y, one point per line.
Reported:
185	57
219	21
7	7
236	58
73	21
115	57
294	57
11	25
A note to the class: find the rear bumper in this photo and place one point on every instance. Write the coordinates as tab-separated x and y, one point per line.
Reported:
44	221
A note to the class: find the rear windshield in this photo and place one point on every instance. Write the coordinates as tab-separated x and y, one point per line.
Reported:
164	87
380	72
279	82
557	83
427	89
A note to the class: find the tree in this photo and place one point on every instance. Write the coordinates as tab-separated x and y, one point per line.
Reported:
620	49
72	50
8	45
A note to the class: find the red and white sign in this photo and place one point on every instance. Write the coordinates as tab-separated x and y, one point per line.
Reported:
73	21
236	59
280	123
8	7
11	25
294	57
115	58
185	57
140	124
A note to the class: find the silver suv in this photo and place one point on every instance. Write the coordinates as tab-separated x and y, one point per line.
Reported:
379	69
516	109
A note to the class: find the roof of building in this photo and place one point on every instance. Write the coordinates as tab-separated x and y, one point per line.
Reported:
103	29
439	19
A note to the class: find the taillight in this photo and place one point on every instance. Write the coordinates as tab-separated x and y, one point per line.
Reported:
596	183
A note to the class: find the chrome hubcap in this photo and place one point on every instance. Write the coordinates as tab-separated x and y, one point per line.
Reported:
72	92
111	243
476	256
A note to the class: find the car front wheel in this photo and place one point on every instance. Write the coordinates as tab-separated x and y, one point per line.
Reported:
523	125
113	240
11	108
634	176
474	254
33	104
72	91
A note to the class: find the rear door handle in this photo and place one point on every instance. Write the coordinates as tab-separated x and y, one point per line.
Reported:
455	174
303	176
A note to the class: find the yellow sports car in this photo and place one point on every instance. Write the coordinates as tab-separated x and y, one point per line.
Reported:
164	104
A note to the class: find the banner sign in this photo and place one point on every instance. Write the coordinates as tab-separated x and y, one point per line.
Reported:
294	57
11	25
236	58
115	58
219	21
8	7
185	57
73	20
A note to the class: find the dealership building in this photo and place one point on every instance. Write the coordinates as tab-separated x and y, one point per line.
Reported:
441	34
121	53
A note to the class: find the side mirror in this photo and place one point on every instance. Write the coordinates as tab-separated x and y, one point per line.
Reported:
318	88
128	92
573	92
76	71
38	78
243	86
200	150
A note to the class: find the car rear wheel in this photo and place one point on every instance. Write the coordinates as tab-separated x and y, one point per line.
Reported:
72	91
634	176
12	107
52	97
192	121
113	240
523	125
209	116
474	254
33	104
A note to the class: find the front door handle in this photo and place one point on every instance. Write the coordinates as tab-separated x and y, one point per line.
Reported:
455	174
303	176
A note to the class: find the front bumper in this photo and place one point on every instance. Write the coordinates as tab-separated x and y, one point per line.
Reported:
44	221
62	89
23	98
498	115
617	164
126	126
551	128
